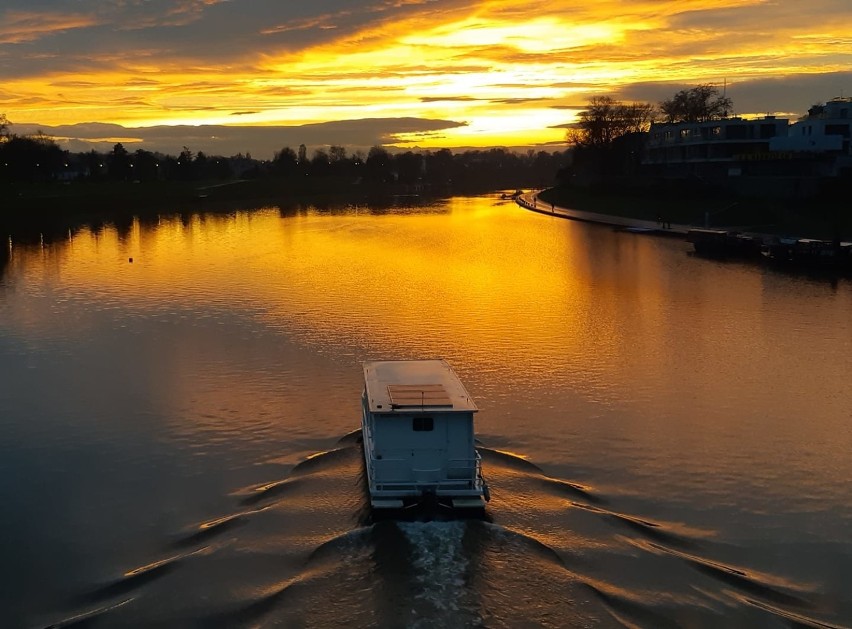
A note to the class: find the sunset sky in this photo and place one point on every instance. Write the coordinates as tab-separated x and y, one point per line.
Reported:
215	75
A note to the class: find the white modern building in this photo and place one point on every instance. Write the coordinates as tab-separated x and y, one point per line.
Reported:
825	129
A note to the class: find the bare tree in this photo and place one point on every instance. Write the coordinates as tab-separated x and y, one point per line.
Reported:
607	119
336	154
698	104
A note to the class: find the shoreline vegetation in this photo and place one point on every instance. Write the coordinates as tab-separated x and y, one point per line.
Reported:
55	206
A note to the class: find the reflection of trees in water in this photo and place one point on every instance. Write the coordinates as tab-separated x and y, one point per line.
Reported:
40	229
373	205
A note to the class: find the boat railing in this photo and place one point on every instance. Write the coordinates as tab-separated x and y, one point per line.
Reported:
399	473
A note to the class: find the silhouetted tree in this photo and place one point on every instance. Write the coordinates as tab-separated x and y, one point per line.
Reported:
31	158
697	104
409	167
378	165
201	166
4	127
439	166
185	165
336	154
320	163
285	162
606	119
217	167
145	165
118	163
340	164
95	164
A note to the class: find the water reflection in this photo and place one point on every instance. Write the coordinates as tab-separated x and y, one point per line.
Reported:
708	400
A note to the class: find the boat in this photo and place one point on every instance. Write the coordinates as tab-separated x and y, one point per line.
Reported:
810	253
722	243
418	437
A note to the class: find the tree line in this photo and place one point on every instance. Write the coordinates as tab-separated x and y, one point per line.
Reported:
606	119
38	158
608	139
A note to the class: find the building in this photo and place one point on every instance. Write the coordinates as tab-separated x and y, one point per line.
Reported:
723	143
824	133
762	157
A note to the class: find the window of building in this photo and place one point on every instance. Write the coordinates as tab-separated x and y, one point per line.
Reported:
423	424
737	132
767	131
837	129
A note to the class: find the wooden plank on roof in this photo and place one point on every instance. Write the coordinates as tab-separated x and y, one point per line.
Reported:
418	395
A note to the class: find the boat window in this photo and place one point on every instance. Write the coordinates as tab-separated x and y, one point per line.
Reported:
422	424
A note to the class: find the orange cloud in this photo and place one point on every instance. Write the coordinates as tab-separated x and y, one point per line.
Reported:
510	71
17	27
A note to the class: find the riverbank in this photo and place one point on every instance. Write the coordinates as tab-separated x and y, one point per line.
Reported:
48	207
536	202
813	218
832	256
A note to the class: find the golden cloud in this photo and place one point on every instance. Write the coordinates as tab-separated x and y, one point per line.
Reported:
512	71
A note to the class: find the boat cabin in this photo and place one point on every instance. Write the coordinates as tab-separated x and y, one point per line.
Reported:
417	425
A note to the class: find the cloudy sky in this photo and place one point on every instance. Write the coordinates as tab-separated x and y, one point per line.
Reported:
227	76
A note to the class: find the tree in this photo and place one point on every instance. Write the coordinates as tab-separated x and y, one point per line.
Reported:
378	166
94	163
319	163
145	165
409	165
336	154
285	161
4	127
32	158
119	163
698	104
607	119
186	165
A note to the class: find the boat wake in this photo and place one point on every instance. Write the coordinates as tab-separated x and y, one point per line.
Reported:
301	550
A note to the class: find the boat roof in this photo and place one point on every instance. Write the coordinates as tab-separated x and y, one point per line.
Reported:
403	386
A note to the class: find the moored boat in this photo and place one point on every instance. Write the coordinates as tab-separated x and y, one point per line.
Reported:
419	448
810	253
723	243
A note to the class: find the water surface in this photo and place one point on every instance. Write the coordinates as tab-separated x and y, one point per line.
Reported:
667	438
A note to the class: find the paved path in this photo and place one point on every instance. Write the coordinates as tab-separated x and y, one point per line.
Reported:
529	201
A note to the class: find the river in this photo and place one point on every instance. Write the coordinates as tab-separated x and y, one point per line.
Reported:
667	438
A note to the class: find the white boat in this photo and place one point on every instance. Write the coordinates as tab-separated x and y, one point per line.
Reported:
417	425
